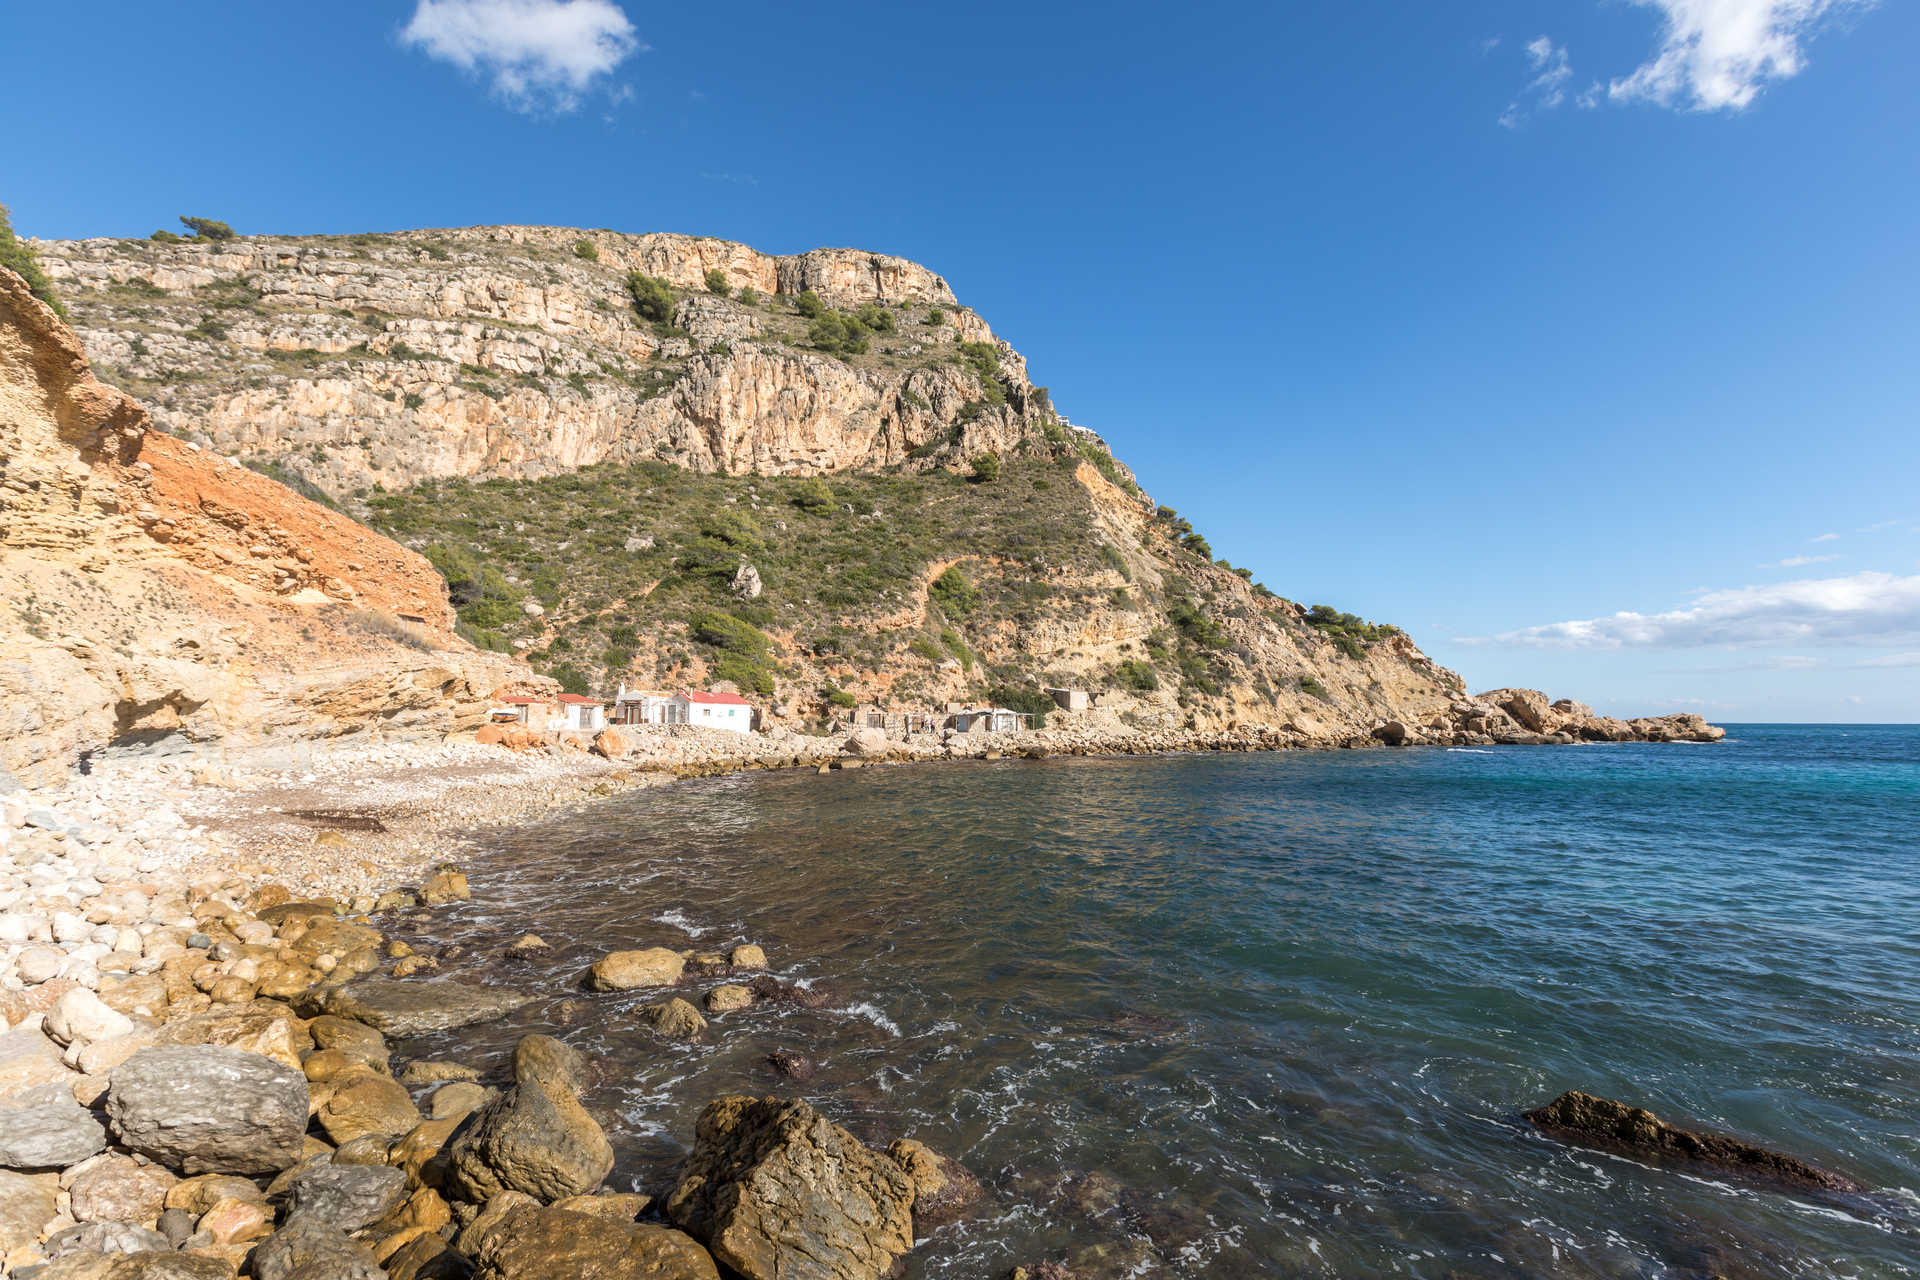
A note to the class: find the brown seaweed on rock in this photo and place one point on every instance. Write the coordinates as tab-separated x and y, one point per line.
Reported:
1608	1125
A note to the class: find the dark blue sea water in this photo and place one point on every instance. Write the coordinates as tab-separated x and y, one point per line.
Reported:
1256	1015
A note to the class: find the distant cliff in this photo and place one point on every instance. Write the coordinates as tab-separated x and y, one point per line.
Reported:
666	460
151	591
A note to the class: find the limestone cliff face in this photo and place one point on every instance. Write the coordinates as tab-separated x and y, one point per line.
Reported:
154	591
517	351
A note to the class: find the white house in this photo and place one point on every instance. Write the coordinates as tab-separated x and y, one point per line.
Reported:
578	714
635	706
991	720
715	710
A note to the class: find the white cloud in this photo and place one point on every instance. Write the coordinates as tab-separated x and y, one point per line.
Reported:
1717	55
1828	537
1862	609
537	54
1893	660
1798	562
1552	72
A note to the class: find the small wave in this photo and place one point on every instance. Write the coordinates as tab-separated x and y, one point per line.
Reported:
872	1014
679	920
1470	751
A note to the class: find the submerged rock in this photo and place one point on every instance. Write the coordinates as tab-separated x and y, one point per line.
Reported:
398	1008
626	970
779	1192
674	1019
943	1189
1615	1126
789	1065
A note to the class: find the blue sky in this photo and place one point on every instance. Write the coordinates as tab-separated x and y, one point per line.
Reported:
1494	320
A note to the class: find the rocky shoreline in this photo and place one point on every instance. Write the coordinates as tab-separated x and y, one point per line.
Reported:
198	986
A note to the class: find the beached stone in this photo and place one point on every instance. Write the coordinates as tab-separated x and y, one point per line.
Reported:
540	1244
83	1264
398	1008
307	1248
102	1056
208	1109
727	998
28	1060
867	743
265	1027
235	1218
619	1206
475	1236
747	956
943	1190
27	1204
117	1188
779	1192
428	1257
50	1131
626	970
81	1017
458	1098
199	1194
1608	1125
536	1137
348	1197
419	1073
446	884
365	1102
355	1040
105	1237
674	1019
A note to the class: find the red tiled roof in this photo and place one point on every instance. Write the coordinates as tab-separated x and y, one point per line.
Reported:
727	699
576	698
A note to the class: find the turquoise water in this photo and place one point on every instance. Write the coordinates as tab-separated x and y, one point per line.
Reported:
1258	1015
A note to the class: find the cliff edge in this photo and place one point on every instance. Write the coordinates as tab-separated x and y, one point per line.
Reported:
150	590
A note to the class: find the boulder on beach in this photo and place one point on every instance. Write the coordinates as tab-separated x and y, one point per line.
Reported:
416	1008
265	1027
307	1248
867	743
362	1101
347	1197
728	997
778	1192
626	970
206	1109
747	956
47	1129
536	1137
533	1243
117	1188
1603	1123
27	1203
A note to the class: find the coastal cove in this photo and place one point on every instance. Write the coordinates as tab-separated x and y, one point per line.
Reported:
1277	1013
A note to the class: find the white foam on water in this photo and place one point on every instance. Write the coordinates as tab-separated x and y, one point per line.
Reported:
872	1014
678	920
1471	751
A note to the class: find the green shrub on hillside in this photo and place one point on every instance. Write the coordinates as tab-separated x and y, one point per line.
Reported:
744	650
164	236
838	697
208	228
984	357
1136	675
810	304
955	593
875	318
17	256
813	497
935	316
1034	702
585	251
652	297
838	333
718	283
748	297
986	468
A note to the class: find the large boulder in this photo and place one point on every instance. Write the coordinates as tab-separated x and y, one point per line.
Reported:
626	970
363	1102
611	744
50	1131
27	1203
150	1264
207	1109
1528	706
1608	1125
546	1244
117	1188
80	1017
779	1192
265	1027
867	743
675	1019
307	1248
417	1007
535	1138
347	1197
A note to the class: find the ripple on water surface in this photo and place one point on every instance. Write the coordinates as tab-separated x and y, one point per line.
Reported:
1259	1015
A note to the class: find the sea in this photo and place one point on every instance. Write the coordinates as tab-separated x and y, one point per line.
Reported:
1280	1014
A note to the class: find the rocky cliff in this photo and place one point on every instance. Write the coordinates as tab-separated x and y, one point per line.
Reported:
518	351
666	460
150	590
